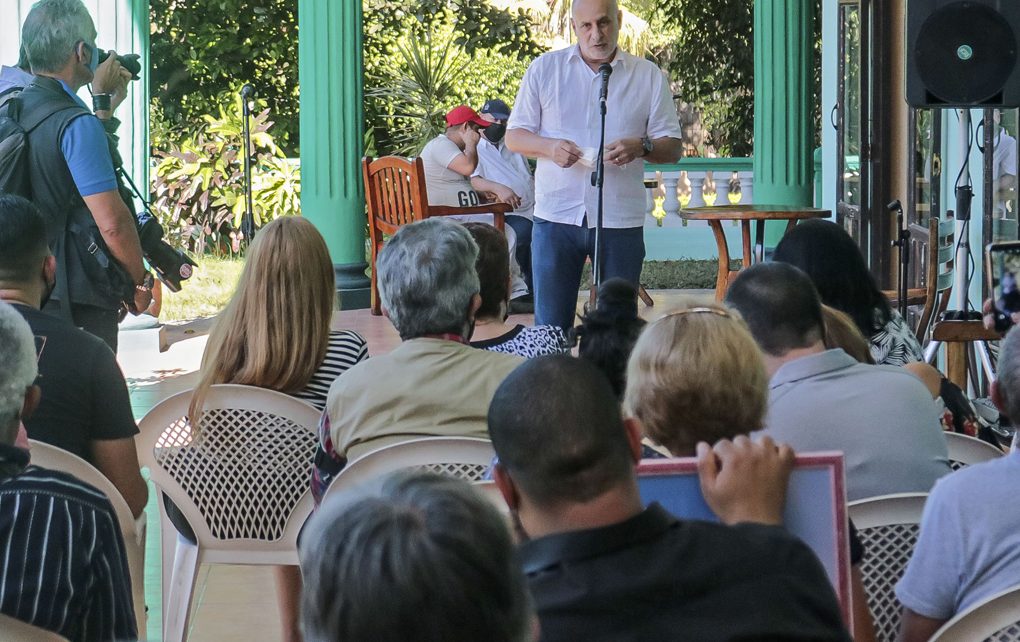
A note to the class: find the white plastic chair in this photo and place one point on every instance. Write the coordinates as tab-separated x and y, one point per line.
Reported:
888	526
18	631
242	484
996	618
467	458
967	451
47	456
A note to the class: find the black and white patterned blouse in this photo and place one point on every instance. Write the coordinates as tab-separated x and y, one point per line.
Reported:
345	349
895	344
528	342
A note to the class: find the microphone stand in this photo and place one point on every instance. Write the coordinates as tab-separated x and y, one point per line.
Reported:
248	222
903	243
598	181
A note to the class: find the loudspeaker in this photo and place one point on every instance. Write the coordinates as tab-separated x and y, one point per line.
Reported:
963	53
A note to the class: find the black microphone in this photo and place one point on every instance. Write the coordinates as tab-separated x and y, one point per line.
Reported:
248	91
605	69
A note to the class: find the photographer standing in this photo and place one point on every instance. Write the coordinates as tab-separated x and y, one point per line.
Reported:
90	228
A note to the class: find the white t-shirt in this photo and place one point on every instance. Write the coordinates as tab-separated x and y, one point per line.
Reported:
1003	164
500	165
559	98
443	185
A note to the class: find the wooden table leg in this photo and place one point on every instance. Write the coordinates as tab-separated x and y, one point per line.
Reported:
722	280
956	363
745	238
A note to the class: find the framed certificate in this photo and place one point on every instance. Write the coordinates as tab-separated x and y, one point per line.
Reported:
815	506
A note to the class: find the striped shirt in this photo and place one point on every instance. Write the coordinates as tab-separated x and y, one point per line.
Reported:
345	349
62	560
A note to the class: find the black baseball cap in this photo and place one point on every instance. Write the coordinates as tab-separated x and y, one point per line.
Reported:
496	108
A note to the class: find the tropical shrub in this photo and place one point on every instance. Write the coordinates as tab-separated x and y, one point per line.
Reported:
198	186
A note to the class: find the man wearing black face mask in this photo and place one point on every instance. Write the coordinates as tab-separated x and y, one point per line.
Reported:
85	407
449	161
507	176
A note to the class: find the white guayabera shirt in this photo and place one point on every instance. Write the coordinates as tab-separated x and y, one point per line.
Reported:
559	98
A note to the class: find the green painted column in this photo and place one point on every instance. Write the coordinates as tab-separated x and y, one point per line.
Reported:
332	139
783	135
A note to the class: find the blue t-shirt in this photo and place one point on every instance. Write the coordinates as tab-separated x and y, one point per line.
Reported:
87	153
969	545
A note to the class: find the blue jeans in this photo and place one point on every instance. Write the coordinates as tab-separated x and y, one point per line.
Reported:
559	252
522	227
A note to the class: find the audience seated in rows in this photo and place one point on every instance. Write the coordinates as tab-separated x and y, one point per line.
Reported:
601	566
969	544
834	263
433	383
275	333
491	331
882	418
607	334
696	375
422	557
64	565
85	408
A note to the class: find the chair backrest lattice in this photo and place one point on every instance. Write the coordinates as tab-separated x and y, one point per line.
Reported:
245	472
263	458
888	527
965	450
466	458
994	619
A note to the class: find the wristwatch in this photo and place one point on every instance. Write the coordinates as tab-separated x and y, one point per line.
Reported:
647	146
102	102
147	283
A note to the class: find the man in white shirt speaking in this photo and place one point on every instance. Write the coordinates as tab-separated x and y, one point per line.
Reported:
555	117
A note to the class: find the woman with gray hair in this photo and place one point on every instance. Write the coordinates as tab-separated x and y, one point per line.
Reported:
433	383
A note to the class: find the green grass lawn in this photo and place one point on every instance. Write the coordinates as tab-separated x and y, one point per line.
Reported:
206	293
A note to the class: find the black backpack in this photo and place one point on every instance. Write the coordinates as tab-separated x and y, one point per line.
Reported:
14	130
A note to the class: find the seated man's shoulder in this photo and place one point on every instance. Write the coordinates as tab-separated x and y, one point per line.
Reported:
991	480
743	548
894	379
70	336
59	485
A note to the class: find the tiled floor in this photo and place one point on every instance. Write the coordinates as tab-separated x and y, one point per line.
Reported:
239	602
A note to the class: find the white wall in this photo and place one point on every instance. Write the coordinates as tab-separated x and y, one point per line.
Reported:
123	26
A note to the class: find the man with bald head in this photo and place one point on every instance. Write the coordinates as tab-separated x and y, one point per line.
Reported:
556	120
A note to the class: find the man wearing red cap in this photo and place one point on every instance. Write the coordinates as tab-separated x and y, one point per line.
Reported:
449	160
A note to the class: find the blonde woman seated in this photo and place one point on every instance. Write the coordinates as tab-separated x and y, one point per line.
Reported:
697	375
275	333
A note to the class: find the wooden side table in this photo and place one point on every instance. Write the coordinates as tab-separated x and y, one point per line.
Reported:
960	337
746	214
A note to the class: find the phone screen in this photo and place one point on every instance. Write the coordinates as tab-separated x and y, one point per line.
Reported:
1004	271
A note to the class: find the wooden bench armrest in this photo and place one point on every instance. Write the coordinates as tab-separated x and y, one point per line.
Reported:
488	208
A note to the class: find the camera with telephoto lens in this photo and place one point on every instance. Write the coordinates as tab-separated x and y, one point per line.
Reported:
171	266
131	62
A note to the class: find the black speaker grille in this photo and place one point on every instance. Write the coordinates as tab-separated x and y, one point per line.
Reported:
965	53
